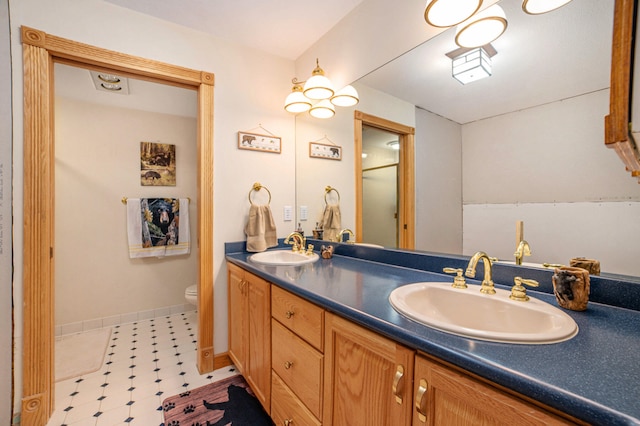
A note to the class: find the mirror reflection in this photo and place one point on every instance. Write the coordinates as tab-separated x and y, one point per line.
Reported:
380	161
525	144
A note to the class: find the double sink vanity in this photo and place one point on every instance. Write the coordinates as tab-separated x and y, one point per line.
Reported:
376	336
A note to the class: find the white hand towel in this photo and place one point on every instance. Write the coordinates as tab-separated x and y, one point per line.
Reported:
139	220
331	219
260	229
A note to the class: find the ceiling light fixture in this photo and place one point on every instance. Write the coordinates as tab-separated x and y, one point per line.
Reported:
447	13
395	145
318	96
473	65
537	7
482	28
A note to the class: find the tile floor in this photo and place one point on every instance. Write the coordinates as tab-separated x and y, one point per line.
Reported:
146	362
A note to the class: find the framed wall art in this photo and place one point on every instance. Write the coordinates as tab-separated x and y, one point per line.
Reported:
157	164
321	150
258	142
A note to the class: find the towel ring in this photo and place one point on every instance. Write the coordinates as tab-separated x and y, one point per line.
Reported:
327	190
257	187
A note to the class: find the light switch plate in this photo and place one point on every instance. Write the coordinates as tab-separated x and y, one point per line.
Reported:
304	212
288	213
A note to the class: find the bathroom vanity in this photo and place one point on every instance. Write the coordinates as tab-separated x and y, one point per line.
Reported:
320	344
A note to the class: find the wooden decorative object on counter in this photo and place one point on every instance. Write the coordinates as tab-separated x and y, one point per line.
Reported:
591	265
571	286
327	252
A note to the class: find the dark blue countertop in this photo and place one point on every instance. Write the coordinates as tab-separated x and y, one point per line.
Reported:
594	377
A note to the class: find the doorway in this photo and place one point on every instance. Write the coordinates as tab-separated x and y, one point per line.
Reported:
380	161
40	51
385	186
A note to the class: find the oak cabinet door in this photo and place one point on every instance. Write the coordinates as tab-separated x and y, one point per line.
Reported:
368	378
238	317
444	396
250	330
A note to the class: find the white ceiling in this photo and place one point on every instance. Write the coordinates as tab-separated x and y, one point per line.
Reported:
284	28
540	59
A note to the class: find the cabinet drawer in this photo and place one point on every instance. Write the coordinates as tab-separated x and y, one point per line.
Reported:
298	365
286	408
303	318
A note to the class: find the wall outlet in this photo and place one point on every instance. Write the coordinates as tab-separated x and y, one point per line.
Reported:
304	212
288	213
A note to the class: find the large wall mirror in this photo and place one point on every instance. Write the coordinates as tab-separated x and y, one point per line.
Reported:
529	141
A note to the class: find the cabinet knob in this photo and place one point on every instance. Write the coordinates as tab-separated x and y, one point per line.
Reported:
289	314
288	422
288	364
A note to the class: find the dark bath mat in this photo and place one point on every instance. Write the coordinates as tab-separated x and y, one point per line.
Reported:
227	402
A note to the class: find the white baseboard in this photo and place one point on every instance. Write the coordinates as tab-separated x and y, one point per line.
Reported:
80	326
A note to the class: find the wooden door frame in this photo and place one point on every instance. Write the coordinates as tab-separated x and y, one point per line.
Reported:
406	175
40	51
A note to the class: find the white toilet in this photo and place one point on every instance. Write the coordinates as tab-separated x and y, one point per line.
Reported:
191	294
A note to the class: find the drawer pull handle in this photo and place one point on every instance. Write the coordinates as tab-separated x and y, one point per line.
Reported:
288	422
288	364
289	314
398	382
421	401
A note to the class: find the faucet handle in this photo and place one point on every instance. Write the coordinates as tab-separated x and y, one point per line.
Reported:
518	292
458	280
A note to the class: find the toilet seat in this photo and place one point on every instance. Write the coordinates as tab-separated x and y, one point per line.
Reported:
192	290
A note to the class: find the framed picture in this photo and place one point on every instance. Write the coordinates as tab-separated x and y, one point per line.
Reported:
157	164
257	142
321	150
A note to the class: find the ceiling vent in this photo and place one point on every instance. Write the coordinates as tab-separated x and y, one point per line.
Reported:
112	83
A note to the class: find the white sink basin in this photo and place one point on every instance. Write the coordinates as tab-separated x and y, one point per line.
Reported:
283	257
481	316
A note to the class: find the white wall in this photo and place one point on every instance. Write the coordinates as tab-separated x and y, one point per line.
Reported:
549	167
250	88
438	183
97	163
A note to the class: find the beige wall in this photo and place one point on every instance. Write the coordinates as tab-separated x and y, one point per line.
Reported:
97	163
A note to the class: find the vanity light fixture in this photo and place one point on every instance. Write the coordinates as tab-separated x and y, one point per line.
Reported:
537	7
296	101
473	65
318	86
482	28
346	97
322	109
447	13
318	97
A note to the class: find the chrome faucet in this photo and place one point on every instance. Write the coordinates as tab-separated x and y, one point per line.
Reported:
350	234
487	283
522	251
299	241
